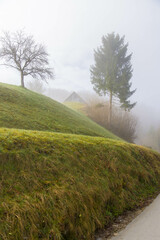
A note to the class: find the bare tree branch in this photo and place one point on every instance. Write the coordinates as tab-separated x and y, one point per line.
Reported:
9	65
20	52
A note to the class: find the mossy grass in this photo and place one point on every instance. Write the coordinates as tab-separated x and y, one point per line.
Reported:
23	109
65	186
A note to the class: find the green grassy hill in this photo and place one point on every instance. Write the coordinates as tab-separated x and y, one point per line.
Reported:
23	109
63	187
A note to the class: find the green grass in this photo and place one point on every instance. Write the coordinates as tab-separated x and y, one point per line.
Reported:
80	107
23	109
64	186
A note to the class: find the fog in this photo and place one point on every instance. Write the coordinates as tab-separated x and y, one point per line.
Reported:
72	29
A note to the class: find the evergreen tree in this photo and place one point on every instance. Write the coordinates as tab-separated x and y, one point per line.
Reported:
112	71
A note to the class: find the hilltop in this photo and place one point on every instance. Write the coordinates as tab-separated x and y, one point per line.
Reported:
23	109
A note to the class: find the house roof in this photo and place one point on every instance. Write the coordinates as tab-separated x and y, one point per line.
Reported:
74	97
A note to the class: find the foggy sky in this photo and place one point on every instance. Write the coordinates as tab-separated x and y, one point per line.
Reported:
71	29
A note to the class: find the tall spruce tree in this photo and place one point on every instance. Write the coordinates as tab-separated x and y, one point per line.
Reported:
112	71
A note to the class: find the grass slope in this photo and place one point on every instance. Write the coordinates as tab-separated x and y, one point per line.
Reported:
80	107
23	109
62	186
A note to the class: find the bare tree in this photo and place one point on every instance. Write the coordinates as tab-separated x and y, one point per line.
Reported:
20	52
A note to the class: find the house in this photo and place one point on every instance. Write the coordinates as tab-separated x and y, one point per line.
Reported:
74	97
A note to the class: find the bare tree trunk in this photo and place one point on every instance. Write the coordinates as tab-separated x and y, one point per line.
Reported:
22	79
110	109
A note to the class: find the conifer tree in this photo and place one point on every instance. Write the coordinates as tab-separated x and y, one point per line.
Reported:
112	71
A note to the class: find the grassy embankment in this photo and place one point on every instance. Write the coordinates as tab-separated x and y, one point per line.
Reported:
63	186
23	109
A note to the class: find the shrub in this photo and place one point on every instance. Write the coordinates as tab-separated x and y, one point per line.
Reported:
123	123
